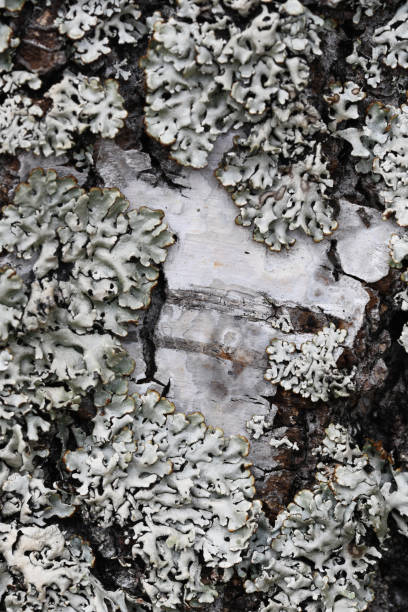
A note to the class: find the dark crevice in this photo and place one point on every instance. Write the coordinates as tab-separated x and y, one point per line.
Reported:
334	259
148	328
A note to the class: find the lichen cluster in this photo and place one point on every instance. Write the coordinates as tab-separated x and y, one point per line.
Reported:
94	266
380	147
399	259
311	370
380	144
78	104
181	491
44	570
80	269
49	121
320	553
206	75
92	25
389	48
91	267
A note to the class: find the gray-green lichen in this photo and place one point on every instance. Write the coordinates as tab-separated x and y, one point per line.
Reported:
380	147
399	259
180	490
389	48
78	104
92	25
343	102
320	553
206	75
51	121
311	370
44	570
94	265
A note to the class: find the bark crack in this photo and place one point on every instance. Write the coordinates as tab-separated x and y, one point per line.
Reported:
148	329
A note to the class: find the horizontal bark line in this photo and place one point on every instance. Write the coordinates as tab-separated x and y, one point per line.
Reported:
214	350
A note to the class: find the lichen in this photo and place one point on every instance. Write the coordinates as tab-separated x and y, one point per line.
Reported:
206	75
24	496
399	253
342	101
320	552
390	44
92	25
94	266
389	47
399	259
78	104
91	269
181	491
8	41
311	370
360	7
380	145
81	268
49	121
283	322
258	425
292	199
44	570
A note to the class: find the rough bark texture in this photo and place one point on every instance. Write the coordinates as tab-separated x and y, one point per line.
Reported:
203	340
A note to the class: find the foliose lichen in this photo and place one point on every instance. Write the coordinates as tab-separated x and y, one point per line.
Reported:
342	101
181	491
92	25
206	75
94	265
49	122
311	370
45	570
399	259
91	268
78	104
320	554
380	145
389	47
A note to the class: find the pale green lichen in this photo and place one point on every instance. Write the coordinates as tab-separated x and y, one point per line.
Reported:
311	370
320	554
92	25
206	75
50	123
343	102
380	145
94	266
399	259
42	569
78	104
181	491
